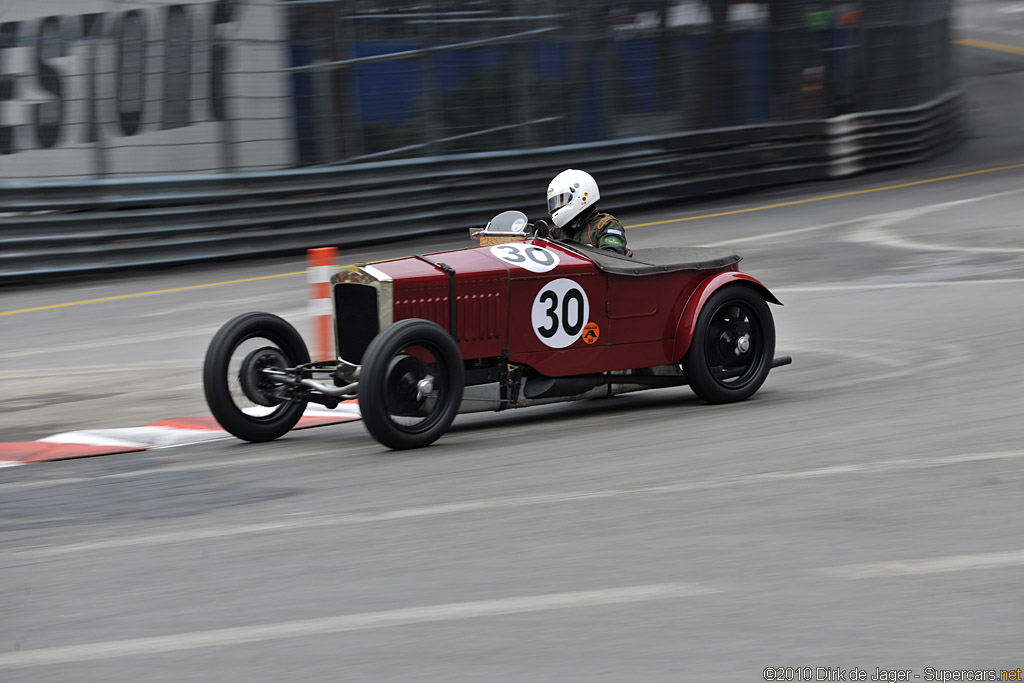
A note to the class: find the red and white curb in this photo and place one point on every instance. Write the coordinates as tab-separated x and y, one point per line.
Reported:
183	431
180	431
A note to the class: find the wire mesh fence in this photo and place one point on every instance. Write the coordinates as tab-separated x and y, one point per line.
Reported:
141	87
444	77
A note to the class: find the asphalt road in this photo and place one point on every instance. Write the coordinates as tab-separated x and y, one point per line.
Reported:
863	510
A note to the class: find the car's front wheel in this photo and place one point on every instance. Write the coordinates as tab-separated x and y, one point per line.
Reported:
410	384
243	398
733	346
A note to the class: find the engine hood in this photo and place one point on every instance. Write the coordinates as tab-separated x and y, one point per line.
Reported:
529	258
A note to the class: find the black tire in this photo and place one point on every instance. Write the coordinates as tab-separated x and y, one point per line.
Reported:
228	372
716	366
402	355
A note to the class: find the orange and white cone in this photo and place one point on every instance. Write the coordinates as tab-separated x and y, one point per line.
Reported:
322	262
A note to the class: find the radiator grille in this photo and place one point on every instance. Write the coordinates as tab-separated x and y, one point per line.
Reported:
356	319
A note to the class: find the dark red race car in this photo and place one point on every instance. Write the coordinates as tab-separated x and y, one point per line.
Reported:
517	321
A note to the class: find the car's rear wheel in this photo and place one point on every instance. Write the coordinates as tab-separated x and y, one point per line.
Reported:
733	346
245	401
410	384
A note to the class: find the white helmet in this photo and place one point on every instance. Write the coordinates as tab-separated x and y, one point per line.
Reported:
569	194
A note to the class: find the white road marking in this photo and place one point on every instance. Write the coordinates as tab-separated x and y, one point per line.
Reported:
312	410
872	231
296	316
98	437
891	285
929	565
875	234
834	346
939	356
488	504
123	340
785	233
146	437
151	471
52	371
887	218
454	611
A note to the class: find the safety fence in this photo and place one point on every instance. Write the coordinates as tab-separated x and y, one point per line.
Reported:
59	228
136	88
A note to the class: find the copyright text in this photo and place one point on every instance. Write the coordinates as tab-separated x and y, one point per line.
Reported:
835	673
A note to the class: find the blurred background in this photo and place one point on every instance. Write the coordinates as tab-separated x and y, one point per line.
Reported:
143	132
98	89
472	77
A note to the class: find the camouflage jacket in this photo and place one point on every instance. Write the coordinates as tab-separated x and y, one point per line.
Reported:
600	230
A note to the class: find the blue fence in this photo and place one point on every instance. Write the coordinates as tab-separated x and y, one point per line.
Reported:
388	81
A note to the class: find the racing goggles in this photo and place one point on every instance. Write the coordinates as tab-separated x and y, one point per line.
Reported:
557	201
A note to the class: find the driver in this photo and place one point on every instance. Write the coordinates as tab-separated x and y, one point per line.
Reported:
572	203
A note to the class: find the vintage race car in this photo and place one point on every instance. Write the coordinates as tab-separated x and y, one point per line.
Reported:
519	320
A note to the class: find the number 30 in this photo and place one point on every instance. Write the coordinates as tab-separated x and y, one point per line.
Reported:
560	311
535	259
572	307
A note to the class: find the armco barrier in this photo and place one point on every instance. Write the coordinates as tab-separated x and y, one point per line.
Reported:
875	140
64	228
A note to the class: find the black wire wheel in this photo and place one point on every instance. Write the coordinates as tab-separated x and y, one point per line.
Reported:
733	346
410	384
244	399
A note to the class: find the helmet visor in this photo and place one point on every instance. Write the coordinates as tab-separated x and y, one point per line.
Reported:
557	201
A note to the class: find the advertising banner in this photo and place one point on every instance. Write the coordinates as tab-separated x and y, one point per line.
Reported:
96	88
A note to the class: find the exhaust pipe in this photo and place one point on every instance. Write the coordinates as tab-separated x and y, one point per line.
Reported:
546	387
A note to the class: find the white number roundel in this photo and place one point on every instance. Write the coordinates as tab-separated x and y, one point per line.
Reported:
535	259
560	311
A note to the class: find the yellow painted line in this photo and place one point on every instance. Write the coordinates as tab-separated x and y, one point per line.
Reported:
155	291
985	45
780	205
852	193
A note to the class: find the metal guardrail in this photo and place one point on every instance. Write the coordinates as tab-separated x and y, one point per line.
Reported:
872	141
71	228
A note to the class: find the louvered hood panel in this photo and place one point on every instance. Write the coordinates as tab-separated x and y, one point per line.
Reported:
421	290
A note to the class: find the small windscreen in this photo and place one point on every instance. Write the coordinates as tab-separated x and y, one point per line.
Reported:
508	221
